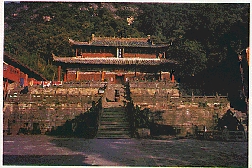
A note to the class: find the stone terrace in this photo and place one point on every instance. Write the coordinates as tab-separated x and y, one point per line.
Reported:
168	107
48	107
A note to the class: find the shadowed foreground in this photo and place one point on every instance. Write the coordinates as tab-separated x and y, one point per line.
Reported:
52	151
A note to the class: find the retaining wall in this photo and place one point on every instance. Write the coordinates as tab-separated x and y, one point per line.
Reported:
168	107
46	108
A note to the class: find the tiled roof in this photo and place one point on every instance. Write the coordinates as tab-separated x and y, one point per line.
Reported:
119	42
112	61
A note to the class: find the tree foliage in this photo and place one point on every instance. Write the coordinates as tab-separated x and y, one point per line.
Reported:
200	34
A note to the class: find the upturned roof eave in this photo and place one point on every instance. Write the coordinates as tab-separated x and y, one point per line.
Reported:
150	46
112	61
74	43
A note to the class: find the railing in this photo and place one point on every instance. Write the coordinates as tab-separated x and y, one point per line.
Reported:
98	110
160	84
130	110
51	98
73	84
101	100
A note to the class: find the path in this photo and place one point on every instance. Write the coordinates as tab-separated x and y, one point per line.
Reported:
45	150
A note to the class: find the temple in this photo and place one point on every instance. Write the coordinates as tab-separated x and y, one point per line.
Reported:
115	60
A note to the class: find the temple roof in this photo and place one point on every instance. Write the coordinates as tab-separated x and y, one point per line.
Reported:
118	42
112	61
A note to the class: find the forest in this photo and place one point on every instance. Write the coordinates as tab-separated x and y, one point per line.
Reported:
205	38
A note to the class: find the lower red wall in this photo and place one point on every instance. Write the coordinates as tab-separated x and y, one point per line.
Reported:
11	73
97	55
112	77
89	76
132	55
71	76
125	55
15	75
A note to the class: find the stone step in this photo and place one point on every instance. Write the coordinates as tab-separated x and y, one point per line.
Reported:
113	137
108	136
118	119
113	123
115	109
113	132
114	126
113	115
113	112
109	128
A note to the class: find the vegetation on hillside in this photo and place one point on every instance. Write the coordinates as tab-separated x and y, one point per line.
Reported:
202	35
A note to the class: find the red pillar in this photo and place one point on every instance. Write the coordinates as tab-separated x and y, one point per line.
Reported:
173	79
65	77
59	73
26	80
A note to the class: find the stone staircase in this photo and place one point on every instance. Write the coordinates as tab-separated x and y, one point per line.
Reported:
113	121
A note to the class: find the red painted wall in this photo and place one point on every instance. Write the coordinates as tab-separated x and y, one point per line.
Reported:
71	76
97	55
125	55
135	55
11	73
89	77
109	76
15	75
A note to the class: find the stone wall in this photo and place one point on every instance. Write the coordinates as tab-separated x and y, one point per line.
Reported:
50	107
47	108
168	107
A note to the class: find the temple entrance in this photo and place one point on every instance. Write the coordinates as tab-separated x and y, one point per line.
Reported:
119	79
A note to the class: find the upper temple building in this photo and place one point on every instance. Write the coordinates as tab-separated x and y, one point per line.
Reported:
115	60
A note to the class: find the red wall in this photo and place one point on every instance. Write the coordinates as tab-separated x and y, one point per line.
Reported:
109	76
133	55
125	55
11	73
97	55
71	76
89	77
15	75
